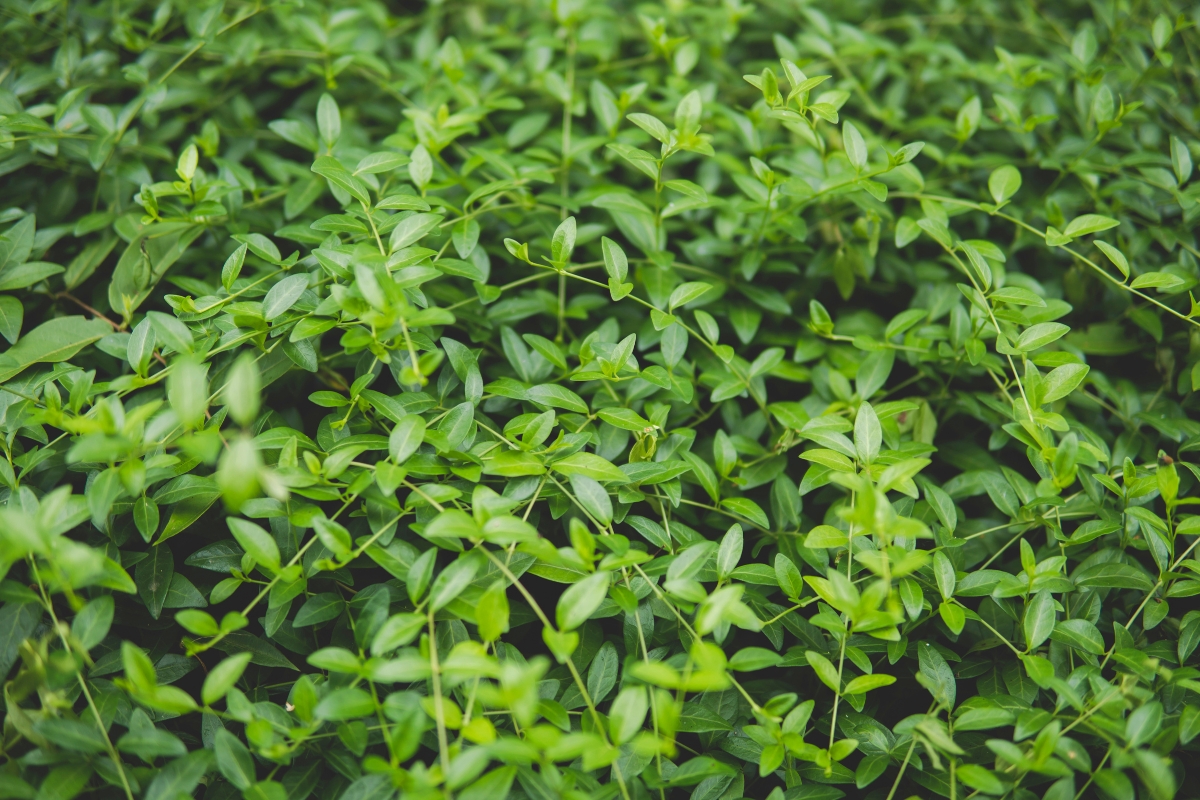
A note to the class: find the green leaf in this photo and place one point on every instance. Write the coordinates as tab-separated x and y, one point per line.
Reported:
615	262
139	670
71	734
954	616
93	621
982	779
450	583
686	293
982	719
1014	295
233	759
1040	335
868	434
750	510
1143	723
171	332
581	600
1115	256
873	372
345	703
562	244
788	576
869	769
452	523
336	659
942	506
491	613
824	669
180	776
752	659
1056	238
704	475
856	148
333	171
1004	182
1088	223
980	272
406	437
943	572
1181	160
1080	634
257	543
1039	620
1061	381
283	295
261	652
1115	784
153	577
1189	723
651	125
329	123
625	419
200	623
420	168
1163	281
1114	575
698	718
967	121
12	314
406	202
865	683
1155	773
333	535
513	464
376	163
223	676
319	608
593	498
590	465
602	675
21	276
187	390
936	674
147	742
243	392
412	229
50	342
552	395
907	231
627	713
730	551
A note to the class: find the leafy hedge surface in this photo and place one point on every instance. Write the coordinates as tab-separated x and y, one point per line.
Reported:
594	400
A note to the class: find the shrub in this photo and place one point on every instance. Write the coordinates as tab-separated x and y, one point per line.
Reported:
598	400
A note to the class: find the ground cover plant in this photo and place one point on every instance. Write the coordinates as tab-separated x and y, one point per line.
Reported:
599	400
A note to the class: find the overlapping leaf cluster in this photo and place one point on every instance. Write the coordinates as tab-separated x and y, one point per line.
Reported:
593	400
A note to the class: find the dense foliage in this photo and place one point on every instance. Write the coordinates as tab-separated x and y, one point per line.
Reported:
599	400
